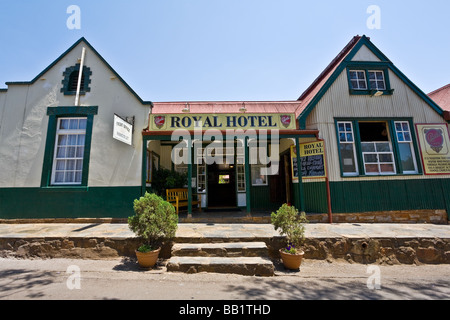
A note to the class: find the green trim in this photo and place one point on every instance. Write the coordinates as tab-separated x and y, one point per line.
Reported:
301	193
390	195
92	202
248	179
384	63
393	135
366	67
189	183
66	81
412	128
99	56
395	147
54	114
366	41
144	167
71	111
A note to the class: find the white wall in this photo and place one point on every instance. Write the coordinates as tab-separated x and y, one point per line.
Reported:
24	122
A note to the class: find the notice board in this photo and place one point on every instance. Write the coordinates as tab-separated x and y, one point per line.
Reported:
312	164
434	143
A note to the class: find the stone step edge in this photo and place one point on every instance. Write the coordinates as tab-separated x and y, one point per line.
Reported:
248	249
258	266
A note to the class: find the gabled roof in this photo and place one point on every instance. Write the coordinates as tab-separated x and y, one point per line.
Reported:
319	87
82	39
319	83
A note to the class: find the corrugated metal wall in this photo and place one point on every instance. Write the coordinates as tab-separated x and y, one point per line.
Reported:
338	103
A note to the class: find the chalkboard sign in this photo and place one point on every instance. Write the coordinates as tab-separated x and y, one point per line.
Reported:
313	166
312	160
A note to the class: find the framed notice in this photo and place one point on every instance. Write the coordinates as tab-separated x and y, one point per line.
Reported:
123	131
434	143
312	164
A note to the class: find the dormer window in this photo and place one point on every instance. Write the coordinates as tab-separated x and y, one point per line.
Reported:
70	80
358	79
368	79
376	80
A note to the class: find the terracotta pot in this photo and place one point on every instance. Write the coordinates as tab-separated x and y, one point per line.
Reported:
147	259
291	261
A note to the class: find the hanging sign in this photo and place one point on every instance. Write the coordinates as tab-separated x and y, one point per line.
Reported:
312	164
123	131
434	145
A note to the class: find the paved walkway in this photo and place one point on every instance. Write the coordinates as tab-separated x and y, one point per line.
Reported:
241	231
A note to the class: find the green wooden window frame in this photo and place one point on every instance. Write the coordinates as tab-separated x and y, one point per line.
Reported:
394	141
55	113
68	78
367	67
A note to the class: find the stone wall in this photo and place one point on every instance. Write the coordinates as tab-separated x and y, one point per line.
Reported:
366	251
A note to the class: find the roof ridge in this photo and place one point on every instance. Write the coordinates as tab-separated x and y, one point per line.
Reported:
332	64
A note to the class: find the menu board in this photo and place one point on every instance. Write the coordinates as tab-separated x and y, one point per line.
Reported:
312	160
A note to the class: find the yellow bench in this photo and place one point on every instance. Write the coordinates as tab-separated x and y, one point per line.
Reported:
179	198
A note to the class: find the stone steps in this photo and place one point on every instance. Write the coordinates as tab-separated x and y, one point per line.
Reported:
224	249
245	258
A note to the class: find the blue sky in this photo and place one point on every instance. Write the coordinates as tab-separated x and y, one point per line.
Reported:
197	50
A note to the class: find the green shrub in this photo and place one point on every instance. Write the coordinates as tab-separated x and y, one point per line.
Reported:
291	224
155	220
166	179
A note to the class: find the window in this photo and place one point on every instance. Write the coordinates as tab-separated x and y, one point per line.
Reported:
70	81
406	147
240	169
347	148
258	169
366	80
376	80
68	147
69	151
358	79
201	171
376	147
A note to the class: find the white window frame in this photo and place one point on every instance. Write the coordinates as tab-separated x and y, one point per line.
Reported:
256	165
378	153
201	171
358	79
406	139
350	142
78	159
376	80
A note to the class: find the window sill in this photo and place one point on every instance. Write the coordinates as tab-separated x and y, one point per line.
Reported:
370	92
382	175
74	93
65	189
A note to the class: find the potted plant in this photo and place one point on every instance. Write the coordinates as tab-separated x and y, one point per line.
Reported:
155	222
291	224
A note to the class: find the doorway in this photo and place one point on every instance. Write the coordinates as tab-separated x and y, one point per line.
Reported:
221	186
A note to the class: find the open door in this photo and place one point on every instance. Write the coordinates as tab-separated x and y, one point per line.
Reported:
221	185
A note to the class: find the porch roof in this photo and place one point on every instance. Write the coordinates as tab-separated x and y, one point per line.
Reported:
225	107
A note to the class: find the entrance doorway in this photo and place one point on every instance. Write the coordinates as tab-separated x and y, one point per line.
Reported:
221	185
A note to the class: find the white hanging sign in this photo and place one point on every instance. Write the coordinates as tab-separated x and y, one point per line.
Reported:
123	131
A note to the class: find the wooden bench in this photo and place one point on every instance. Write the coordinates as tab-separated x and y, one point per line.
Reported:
179	198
